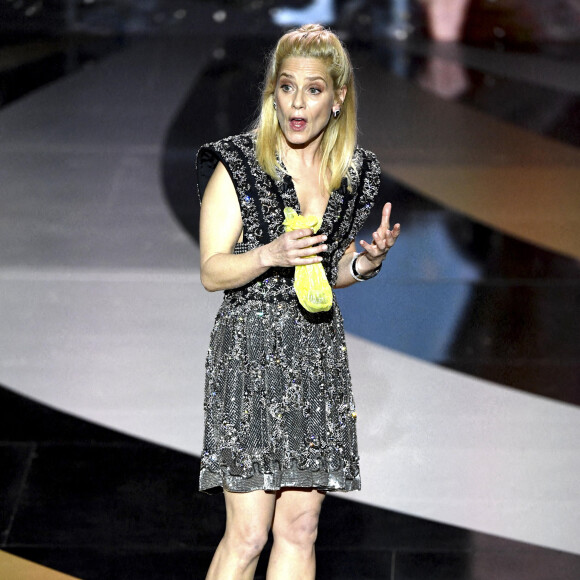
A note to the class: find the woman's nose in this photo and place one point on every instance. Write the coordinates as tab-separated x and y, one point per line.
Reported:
298	101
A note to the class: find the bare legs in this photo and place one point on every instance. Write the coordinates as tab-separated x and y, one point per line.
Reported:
294	529
293	515
248	520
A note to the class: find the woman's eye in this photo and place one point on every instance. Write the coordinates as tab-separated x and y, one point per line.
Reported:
286	88
315	90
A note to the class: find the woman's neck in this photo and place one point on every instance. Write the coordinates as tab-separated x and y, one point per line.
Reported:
304	157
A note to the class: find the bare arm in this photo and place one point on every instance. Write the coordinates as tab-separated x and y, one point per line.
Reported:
220	228
374	253
344	277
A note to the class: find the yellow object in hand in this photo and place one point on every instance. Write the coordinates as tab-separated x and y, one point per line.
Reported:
312	287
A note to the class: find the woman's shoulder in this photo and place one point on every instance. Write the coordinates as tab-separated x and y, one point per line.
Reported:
236	153
364	165
364	156
241	142
364	174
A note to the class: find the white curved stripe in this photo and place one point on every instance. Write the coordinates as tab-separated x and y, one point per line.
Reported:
129	354
450	447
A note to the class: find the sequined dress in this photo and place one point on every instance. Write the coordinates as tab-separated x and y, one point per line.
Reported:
279	410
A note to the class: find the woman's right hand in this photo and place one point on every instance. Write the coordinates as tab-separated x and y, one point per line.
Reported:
295	248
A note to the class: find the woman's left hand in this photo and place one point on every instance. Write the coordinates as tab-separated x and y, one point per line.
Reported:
384	239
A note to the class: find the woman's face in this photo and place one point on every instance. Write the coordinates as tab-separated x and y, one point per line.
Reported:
305	99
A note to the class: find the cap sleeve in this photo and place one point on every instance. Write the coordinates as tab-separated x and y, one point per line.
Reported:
207	160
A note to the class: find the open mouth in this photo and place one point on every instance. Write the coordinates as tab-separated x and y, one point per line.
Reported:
297	123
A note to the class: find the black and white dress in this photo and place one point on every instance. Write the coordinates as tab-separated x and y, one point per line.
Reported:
279	410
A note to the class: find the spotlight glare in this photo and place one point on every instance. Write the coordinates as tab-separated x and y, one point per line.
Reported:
219	16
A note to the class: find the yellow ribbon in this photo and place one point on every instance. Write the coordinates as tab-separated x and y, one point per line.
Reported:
312	287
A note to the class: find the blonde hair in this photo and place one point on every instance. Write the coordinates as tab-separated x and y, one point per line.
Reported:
339	139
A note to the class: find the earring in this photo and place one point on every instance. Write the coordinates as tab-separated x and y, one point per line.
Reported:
336	114
275	106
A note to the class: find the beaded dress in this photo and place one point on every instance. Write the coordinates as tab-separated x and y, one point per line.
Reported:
279	410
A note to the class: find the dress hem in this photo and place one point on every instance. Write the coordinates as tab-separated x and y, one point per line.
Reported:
212	483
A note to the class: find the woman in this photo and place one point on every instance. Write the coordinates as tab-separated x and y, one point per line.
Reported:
279	413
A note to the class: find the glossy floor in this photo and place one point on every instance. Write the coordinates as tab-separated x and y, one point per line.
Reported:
94	503
466	475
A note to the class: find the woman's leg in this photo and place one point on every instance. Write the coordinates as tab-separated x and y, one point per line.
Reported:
248	519
294	529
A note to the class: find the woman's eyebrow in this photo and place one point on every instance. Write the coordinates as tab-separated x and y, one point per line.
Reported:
317	78
312	78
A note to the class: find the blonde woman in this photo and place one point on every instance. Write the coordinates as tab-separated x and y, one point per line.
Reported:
280	420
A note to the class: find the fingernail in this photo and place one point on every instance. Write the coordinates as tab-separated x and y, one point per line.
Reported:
324	238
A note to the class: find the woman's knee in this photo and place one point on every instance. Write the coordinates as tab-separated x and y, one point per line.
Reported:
300	530
249	516
247	540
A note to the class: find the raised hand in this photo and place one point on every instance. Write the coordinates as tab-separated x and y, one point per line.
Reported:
384	239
